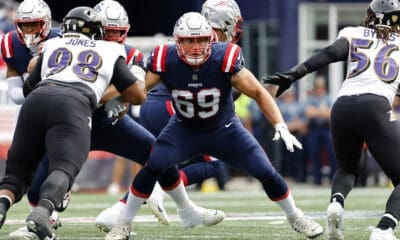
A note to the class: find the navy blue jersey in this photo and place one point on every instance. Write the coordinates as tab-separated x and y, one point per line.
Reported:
16	54
202	96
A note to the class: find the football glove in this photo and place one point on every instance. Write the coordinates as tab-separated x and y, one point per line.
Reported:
115	109
283	80
282	132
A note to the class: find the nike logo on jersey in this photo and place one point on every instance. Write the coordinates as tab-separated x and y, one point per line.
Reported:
228	124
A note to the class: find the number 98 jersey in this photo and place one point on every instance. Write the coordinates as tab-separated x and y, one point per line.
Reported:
83	60
373	64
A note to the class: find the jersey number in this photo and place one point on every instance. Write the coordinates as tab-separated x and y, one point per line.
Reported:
385	67
207	100
89	62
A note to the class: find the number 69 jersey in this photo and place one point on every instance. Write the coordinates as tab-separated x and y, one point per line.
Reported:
83	60
373	65
202	96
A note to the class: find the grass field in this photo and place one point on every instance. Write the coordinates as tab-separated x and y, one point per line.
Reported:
250	215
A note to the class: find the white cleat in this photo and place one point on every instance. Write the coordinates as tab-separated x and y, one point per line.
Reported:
22	233
108	217
193	215
155	203
334	221
120	231
379	234
305	225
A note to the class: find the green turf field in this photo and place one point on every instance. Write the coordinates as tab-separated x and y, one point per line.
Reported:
250	215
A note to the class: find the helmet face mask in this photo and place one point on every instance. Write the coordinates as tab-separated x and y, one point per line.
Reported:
224	15
32	22
116	20
383	13
83	20
193	35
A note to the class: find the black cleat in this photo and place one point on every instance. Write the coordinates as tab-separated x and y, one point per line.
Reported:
3	214
38	222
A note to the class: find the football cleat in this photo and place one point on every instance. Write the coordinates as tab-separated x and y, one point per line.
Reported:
305	225
3	214
334	221
38	223
108	217
22	233
193	215
155	202
120	231
379	234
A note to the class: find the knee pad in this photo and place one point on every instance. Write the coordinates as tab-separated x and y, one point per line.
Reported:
14	184
55	188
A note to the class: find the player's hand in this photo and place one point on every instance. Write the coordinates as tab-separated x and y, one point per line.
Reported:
282	132
115	109
283	80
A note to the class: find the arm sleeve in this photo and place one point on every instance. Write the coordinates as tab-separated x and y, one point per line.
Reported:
337	51
122	77
34	77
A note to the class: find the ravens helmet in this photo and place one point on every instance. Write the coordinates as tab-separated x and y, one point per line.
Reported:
383	13
83	20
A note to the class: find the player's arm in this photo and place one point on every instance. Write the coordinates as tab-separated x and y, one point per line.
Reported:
335	52
246	82
34	77
131	88
151	79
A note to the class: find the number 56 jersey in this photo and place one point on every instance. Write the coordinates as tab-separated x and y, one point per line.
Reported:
373	64
82	60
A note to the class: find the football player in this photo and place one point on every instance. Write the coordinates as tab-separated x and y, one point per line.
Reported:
157	110
65	87
200	76
362	111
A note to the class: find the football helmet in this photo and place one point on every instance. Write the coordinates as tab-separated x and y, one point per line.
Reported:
383	13
32	11
115	18
83	20
194	26
224	15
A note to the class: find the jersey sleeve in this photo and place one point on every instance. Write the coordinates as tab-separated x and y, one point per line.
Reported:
7	50
134	57
157	59
345	33
233	60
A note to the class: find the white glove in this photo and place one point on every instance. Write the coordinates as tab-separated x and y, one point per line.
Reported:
283	133
114	107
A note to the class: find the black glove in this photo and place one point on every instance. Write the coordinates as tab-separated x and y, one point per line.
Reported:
284	80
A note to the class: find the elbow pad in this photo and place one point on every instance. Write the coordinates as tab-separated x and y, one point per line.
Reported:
15	91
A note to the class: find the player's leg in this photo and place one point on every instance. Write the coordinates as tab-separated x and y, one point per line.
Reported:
24	155
383	141
125	134
347	142
161	165
243	151
67	142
